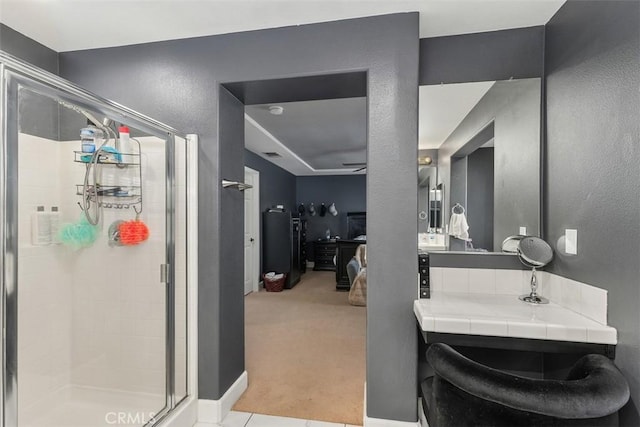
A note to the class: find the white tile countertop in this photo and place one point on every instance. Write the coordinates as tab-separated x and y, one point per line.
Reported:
506	316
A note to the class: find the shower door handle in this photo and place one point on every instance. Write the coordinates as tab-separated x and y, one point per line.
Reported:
240	186
164	273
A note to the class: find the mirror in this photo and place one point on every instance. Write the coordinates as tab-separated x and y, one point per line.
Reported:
487	141
429	203
534	253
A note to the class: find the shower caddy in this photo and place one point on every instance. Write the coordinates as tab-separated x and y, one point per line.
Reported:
114	196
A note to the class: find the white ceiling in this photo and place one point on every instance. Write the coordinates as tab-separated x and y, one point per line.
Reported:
65	25
324	134
260	140
442	108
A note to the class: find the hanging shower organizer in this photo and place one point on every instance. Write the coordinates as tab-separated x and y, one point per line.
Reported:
123	195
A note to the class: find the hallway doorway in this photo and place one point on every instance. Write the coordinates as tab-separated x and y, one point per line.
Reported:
251	231
305	346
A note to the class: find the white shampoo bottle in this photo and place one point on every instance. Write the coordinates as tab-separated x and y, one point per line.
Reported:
40	228
125	143
54	224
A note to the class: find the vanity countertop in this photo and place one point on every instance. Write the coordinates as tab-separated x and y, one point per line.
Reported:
506	316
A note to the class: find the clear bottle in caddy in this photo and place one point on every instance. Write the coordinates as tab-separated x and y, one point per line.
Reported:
90	137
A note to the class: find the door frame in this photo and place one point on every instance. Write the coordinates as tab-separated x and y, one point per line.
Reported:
256	226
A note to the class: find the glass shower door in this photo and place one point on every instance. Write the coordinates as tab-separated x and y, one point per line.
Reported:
92	311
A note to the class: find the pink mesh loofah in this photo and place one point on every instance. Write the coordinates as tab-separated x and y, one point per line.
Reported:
133	232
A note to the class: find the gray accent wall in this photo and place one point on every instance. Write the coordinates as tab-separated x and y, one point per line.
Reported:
456	188
38	114
517	192
592	171
28	49
277	186
305	88
231	210
178	82
427	180
480	198
348	192
494	55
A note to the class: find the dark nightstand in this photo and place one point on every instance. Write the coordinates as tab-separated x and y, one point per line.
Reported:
323	253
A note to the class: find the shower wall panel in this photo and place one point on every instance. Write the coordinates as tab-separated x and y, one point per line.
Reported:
119	304
44	283
92	317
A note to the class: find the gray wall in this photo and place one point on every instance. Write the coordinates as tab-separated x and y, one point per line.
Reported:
38	114
480	197
427	180
230	304
493	55
178	82
348	192
28	49
431	172
592	171
456	192
277	186
514	107
517	192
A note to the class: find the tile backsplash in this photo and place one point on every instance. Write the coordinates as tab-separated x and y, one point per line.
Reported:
582	298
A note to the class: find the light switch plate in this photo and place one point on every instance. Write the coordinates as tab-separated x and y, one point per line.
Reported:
523	231
571	241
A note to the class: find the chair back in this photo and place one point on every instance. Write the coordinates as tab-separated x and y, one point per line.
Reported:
361	255
463	390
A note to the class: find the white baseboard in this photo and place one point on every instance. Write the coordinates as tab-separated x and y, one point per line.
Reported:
214	411
185	415
381	422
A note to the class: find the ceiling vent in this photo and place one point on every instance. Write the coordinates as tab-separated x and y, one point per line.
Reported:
271	154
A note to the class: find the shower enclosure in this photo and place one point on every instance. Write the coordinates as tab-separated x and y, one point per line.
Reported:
94	258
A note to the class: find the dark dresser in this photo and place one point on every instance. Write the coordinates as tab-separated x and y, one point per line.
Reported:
281	245
346	250
303	246
323	253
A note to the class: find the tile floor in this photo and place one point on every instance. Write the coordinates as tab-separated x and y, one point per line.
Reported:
245	419
77	406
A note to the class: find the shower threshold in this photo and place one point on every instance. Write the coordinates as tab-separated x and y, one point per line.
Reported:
78	406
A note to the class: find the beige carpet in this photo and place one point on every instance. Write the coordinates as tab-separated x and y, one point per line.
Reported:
305	352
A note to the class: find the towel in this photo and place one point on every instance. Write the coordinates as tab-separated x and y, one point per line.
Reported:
458	226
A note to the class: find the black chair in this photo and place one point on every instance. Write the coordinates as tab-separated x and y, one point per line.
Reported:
466	393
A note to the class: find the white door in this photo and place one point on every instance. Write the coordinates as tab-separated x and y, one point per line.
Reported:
251	231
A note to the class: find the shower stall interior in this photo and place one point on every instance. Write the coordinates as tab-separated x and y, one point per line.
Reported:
94	257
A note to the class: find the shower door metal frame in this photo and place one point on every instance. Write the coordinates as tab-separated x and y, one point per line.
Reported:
15	73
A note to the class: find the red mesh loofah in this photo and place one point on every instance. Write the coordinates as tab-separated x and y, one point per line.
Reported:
133	232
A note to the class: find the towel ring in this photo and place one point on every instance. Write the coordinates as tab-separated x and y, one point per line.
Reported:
457	206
